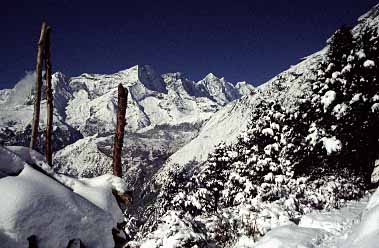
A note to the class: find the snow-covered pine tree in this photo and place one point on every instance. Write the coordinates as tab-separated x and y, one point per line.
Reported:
346	93
340	44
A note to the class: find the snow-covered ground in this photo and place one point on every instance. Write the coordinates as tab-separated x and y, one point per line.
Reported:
52	207
354	225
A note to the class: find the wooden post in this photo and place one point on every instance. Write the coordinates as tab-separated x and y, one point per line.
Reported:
32	240
49	97
75	243
119	136
37	90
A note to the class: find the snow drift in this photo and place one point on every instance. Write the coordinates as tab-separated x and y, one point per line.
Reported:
54	208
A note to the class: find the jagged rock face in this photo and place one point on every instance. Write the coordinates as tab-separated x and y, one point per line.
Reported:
152	100
218	89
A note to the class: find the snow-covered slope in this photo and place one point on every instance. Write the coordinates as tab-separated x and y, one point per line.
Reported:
226	124
55	209
354	225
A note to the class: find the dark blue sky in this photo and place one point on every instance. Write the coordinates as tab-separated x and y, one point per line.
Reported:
252	40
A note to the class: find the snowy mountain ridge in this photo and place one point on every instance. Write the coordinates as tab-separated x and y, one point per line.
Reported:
153	99
164	113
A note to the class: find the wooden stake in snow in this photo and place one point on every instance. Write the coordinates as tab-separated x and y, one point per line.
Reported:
32	240
49	98
119	136
37	89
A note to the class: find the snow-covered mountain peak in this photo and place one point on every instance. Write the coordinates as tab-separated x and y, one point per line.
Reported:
245	88
241	83
175	75
140	79
59	75
218	89
211	76
145	75
59	80
139	72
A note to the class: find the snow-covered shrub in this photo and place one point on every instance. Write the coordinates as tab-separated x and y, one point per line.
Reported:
348	82
175	229
340	44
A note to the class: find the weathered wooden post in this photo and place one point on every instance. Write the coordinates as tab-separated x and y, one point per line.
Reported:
32	240
75	243
37	89
119	136
49	98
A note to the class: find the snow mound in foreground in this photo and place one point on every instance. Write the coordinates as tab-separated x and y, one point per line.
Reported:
55	208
